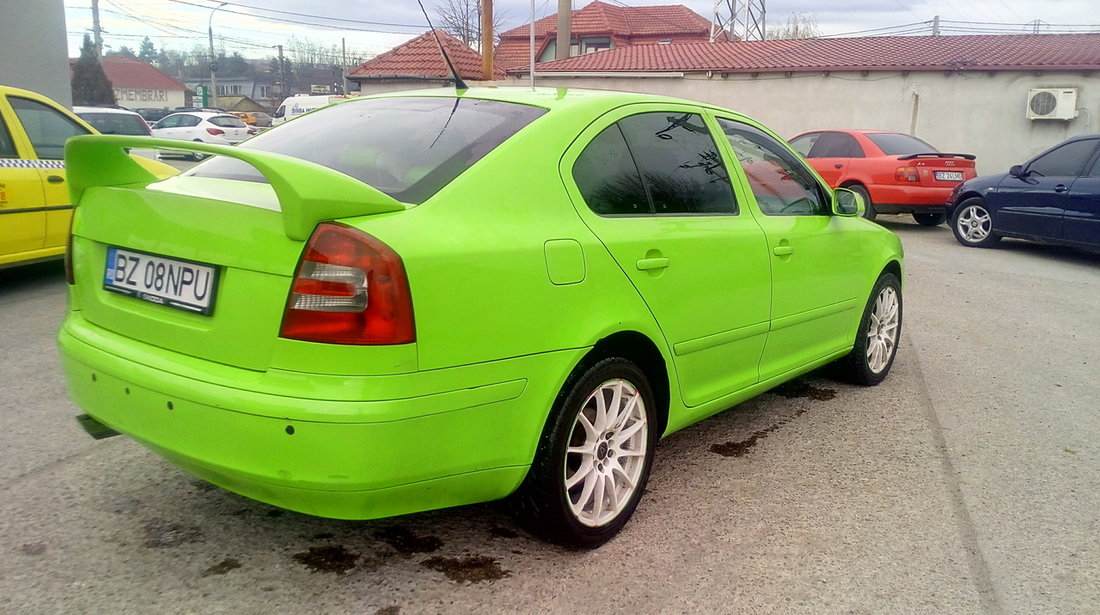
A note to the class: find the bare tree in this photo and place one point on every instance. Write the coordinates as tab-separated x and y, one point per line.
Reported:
799	25
462	18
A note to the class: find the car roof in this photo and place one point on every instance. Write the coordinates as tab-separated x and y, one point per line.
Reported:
86	109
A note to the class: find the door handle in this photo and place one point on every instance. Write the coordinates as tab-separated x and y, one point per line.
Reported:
1060	188
784	250
647	264
55	179
838	166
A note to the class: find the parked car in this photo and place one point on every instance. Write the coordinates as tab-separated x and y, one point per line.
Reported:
1052	198
153	115
111	121
203	127
254	118
895	173
449	299
35	208
300	104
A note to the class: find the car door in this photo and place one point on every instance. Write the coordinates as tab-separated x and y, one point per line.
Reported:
1033	203
1081	221
47	129
814	299
22	203
832	154
650	183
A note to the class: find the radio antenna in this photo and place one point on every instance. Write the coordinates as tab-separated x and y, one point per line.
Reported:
459	83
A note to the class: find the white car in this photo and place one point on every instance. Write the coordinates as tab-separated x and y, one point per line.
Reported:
204	126
111	121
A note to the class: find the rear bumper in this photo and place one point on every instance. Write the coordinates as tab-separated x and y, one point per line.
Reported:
371	458
909	199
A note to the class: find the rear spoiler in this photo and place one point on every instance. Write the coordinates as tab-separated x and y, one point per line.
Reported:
937	155
308	193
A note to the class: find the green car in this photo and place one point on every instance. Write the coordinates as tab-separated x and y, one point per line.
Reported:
426	299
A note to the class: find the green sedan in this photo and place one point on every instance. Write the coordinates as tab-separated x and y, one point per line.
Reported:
425	299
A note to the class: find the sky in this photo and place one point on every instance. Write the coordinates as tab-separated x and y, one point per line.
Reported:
372	26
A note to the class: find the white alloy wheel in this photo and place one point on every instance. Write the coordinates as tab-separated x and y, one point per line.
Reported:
607	450
882	331
973	224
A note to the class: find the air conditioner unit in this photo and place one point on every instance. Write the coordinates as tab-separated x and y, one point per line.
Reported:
1052	104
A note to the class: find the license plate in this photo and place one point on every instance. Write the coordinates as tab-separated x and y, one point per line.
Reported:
179	284
949	176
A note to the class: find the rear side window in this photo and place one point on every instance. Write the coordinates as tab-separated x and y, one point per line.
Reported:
1065	161
226	121
805	143
47	128
407	147
897	144
117	123
835	145
7	146
608	178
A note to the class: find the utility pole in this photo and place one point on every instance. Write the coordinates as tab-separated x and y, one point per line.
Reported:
565	26
487	40
344	64
936	25
213	59
97	32
282	73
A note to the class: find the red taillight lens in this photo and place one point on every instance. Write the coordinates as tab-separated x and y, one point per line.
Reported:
350	288
251	131
906	174
215	131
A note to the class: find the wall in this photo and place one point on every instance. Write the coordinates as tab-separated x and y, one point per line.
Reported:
34	53
980	113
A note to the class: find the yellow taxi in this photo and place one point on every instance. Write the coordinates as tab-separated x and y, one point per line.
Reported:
35	208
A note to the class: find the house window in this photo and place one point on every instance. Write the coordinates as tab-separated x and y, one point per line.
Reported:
594	44
266	91
229	90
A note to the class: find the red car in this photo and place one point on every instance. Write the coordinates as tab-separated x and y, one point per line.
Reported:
895	173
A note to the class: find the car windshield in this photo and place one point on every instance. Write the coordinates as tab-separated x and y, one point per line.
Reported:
897	144
227	121
116	123
407	147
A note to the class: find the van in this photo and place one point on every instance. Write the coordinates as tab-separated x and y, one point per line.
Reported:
301	104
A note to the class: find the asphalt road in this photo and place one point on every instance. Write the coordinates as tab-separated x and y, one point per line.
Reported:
968	482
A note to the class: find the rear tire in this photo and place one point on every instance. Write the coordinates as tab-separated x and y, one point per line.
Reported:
594	457
927	219
973	224
868	207
877	338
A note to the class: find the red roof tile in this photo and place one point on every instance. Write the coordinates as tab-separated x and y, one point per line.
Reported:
127	72
974	52
628	25
421	57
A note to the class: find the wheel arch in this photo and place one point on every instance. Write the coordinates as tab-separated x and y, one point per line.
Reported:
642	351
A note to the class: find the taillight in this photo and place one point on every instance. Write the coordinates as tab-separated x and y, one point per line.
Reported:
215	131
906	174
251	131
350	288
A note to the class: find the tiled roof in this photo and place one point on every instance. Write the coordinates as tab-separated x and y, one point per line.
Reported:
625	24
421	57
974	52
127	72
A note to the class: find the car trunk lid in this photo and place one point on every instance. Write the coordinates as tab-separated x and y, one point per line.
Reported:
935	169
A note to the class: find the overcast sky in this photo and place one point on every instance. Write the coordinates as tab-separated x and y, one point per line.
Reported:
373	26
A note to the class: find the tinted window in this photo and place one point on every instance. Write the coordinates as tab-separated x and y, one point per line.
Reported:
607	177
169	122
835	145
407	147
116	123
227	121
1067	160
186	121
679	163
1095	171
805	143
779	180
897	144
46	127
7	146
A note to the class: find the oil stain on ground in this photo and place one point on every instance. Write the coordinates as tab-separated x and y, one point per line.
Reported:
332	558
221	567
795	389
406	542
470	569
160	533
388	610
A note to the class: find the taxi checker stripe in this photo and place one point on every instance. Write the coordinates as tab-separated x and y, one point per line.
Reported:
32	164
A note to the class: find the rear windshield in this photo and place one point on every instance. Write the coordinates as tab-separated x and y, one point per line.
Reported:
897	144
227	121
408	148
117	123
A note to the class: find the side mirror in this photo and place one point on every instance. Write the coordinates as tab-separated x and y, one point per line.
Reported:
1017	170
847	203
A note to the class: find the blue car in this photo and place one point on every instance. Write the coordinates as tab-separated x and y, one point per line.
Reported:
1052	198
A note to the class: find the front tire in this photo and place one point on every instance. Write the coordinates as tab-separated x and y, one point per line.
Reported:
594	457
868	207
973	224
928	219
877	339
